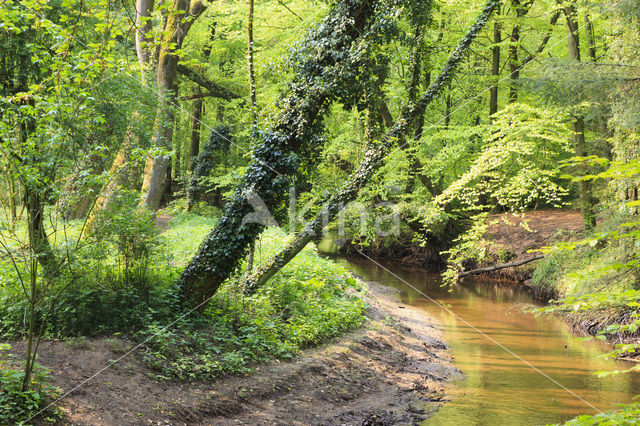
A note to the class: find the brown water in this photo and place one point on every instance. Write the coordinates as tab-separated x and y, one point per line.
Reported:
499	389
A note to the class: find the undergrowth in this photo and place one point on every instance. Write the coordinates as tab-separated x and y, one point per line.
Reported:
310	300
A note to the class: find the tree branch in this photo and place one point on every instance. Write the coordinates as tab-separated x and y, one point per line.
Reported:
503	266
215	89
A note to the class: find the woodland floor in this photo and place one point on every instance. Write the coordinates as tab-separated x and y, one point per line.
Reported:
393	370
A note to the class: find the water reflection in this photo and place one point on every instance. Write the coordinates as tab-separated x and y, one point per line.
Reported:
499	388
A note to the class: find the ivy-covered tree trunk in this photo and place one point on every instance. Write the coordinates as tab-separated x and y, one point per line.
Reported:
324	74
371	161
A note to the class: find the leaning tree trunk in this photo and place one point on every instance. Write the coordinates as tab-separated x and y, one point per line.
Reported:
372	160
319	79
122	175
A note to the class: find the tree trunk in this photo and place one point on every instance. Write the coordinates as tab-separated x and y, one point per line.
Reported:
122	175
38	239
144	10
175	31
275	157
198	107
419	127
514	66
495	68
371	161
591	38
447	110
584	190
252	77
521	10
254	115
579	143
194	142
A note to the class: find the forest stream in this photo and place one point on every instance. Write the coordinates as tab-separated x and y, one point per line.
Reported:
499	388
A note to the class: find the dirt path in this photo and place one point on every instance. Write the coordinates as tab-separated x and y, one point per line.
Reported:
391	371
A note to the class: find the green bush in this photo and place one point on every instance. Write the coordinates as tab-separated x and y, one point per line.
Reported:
15	404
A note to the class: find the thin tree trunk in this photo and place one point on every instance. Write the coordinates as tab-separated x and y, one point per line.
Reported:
591	39
447	110
371	161
495	67
252	77
419	128
514	64
579	143
502	266
194	142
144	10
198	107
584	190
254	115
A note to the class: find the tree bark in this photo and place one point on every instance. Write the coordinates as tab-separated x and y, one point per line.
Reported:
252	77
579	143
495	67
372	160
521	10
419	127
194	142
591	38
175	31
144	10
122	175
198	106
215	90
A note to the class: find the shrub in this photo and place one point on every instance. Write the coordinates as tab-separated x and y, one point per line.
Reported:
17	405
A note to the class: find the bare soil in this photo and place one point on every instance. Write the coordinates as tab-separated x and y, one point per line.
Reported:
393	370
517	235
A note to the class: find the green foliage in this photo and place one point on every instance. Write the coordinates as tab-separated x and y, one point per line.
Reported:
627	415
310	300
127	240
518	165
16	404
469	248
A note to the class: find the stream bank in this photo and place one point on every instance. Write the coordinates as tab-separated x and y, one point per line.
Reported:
393	370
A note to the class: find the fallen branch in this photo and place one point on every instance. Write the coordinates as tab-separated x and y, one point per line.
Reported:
503	266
